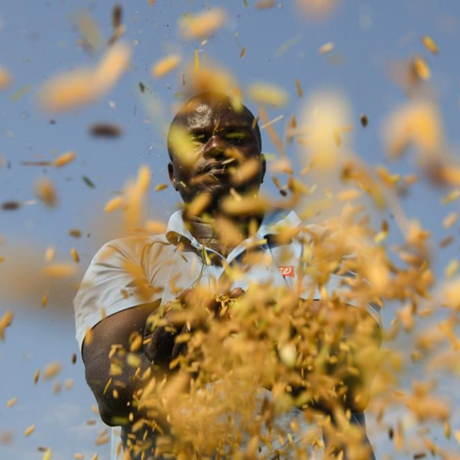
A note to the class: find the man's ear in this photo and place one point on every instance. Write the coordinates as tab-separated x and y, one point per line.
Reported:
172	179
264	167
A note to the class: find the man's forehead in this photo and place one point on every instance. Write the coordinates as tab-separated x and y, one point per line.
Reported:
201	114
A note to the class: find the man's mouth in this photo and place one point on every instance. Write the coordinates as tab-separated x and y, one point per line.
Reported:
217	172
217	169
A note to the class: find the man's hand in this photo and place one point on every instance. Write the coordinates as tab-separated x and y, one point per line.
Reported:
192	310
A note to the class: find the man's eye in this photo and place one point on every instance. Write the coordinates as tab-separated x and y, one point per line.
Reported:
236	136
197	138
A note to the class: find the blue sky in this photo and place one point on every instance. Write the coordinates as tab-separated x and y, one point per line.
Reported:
39	39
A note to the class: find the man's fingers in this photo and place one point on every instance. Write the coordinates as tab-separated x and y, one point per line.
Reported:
159	349
180	346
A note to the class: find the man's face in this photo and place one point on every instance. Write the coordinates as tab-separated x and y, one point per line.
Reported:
219	140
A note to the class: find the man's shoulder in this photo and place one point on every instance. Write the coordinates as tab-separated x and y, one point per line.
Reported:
286	225
134	245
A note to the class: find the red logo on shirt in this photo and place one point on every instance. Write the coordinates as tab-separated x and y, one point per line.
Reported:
287	270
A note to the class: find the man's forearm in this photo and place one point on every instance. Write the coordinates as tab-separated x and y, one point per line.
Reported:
117	384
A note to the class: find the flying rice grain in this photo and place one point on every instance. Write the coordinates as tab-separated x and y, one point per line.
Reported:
165	66
11	205
88	181
6	437
452	268
417	122
44	300
244	206
268	94
447	429
20	93
45	191
102	439
51	370
75	232
114	204
92	36
74	254
411	179
298	88
5	321
153	226
451	196
271	122
144	179
326	48
64	159
12	402
421	69
59	270
349	195
68	91
84	86
36	163
317	9
274	137
199	204
5	78
246	172
105	130
203	24
50	252
112	67
446	241
265	4
29	430
430	44
117	14
449	220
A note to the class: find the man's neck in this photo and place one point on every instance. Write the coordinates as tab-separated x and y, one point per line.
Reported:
220	232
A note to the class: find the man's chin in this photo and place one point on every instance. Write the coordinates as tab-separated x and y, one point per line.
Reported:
216	191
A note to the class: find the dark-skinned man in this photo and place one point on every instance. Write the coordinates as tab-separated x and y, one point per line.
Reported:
209	341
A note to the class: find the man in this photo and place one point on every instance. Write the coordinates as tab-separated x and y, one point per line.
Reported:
217	339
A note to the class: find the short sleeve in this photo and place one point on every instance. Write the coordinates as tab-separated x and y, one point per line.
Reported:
340	282
110	285
339	285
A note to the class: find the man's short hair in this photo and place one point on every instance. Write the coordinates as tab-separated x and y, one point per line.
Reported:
213	97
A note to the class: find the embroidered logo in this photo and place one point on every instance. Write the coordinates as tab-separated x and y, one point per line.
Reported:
287	270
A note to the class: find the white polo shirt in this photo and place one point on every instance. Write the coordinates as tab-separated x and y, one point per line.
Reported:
170	263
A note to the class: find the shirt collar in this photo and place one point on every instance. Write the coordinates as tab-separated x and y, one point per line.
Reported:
273	223
176	229
277	221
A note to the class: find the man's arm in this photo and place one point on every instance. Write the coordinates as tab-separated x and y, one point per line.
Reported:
348	340
115	362
357	358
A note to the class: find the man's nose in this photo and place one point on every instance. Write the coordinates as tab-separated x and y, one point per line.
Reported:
215	147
